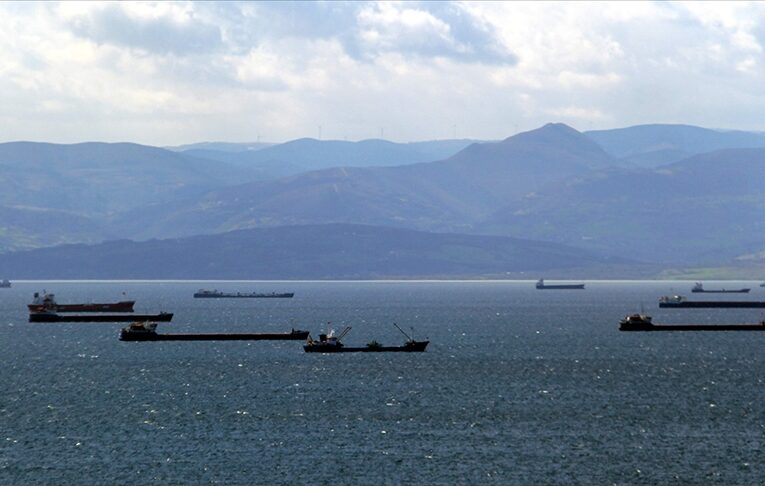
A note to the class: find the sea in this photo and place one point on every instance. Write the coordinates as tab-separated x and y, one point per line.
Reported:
517	386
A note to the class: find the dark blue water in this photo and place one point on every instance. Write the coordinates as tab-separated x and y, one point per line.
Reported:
517	386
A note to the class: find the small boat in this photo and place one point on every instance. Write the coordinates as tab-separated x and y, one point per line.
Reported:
147	331
643	322
47	303
678	301
53	317
329	343
5	284
699	288
215	294
541	285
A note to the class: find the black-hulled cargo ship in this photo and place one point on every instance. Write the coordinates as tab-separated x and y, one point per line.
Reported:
408	347
215	294
699	288
678	301
541	285
147	331
642	322
53	317
329	343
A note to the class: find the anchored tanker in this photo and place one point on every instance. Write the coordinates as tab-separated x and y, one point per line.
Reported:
678	301
642	322
214	294
53	317
541	285
699	288
47	303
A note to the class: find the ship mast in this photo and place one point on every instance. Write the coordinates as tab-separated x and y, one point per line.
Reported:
402	332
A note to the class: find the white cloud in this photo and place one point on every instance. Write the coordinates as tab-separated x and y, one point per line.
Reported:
388	27
161	28
174	72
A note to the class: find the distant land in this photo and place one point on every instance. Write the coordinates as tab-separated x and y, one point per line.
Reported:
677	199
220	147
332	251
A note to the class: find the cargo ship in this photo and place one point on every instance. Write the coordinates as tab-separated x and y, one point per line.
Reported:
53	317
541	285
215	294
5	284
643	322
47	303
678	301
329	343
699	288
147	331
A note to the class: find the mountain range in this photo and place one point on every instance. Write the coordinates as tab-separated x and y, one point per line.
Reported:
655	194
707	208
449	195
307	154
651	146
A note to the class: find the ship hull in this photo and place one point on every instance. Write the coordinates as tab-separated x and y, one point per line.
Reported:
693	327
124	306
48	317
149	336
416	347
561	287
711	304
721	291
286	295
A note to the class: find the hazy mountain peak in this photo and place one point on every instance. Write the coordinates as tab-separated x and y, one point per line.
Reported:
552	145
298	143
558	126
551	133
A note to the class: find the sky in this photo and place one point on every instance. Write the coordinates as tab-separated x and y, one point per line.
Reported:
170	73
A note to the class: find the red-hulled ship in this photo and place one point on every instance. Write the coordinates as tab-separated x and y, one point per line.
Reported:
53	317
47	303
